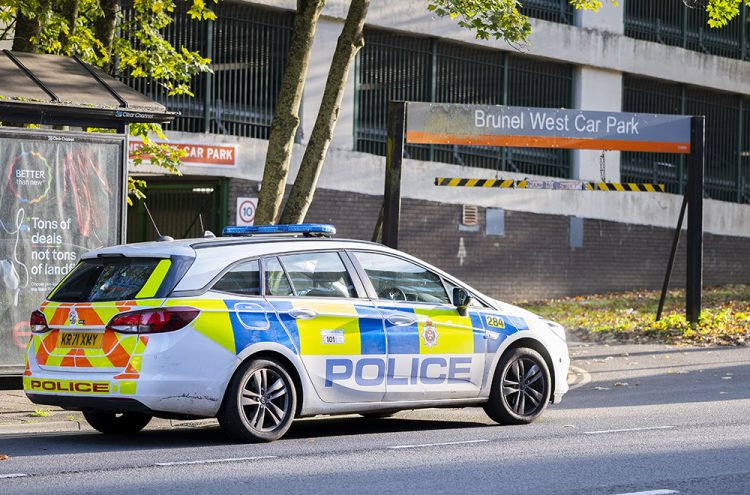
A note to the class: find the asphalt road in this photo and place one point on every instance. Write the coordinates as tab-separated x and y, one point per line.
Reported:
651	419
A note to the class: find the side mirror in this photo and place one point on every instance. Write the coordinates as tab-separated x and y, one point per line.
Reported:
461	300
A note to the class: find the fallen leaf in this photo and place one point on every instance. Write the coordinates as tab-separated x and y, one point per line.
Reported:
569	426
3	457
601	388
621	384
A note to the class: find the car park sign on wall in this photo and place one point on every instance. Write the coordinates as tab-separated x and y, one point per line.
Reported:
485	125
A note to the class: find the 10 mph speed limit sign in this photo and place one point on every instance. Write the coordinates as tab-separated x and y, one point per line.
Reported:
246	210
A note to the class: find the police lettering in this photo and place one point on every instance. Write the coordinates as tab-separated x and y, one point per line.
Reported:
81	387
372	371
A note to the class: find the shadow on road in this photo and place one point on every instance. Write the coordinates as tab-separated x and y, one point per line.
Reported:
212	436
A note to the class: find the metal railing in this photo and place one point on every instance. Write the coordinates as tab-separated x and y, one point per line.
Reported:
672	23
549	10
248	48
727	172
399	67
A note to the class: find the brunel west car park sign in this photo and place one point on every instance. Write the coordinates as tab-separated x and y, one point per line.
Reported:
483	125
430	123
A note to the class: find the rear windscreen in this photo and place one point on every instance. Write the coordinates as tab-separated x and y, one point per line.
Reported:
105	280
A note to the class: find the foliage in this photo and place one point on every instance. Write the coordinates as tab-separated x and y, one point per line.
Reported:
40	413
720	12
137	49
487	18
630	316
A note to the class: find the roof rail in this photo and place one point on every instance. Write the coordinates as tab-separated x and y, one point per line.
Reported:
306	229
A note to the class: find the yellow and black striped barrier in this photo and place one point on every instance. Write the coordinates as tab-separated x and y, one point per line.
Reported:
563	185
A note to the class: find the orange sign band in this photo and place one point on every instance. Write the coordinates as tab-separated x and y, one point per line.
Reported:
419	137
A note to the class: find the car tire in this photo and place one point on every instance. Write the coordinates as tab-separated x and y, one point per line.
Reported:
520	389
112	423
260	402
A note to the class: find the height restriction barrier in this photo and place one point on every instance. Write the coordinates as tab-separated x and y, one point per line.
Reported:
484	125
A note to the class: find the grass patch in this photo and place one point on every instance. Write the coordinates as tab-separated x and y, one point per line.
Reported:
40	413
629	316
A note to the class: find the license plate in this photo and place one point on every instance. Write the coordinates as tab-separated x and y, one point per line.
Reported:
80	340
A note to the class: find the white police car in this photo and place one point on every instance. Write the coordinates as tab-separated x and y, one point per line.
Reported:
257	330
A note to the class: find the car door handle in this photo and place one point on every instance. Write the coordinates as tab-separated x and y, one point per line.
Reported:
400	320
302	314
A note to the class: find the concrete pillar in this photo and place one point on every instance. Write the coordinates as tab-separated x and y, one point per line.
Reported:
609	19
598	89
324	45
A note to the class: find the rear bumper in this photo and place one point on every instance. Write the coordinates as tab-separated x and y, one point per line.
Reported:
75	403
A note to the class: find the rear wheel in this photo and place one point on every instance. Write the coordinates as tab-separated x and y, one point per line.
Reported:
260	402
111	423
520	389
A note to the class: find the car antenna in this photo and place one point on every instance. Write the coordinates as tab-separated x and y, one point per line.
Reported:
159	237
206	233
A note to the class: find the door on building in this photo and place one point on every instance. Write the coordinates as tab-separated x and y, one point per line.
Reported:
179	205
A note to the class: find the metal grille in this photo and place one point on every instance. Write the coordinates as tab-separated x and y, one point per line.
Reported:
651	96
391	67
549	10
722	140
726	172
248	48
398	67
537	83
182	32
671	23
249	56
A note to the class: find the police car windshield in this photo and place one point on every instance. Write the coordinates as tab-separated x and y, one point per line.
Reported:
105	280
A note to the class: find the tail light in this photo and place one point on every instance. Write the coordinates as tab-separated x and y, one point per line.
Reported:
153	320
38	322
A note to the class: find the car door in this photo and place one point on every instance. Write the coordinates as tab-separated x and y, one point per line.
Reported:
433	351
340	334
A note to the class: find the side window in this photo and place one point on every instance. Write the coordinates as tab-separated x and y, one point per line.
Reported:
400	280
276	282
243	279
318	275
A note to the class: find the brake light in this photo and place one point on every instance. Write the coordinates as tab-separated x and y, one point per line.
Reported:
38	322
153	320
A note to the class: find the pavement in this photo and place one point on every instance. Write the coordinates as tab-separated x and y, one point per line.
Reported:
18	415
649	419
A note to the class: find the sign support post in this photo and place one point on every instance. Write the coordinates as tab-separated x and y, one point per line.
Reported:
394	157
695	220
485	125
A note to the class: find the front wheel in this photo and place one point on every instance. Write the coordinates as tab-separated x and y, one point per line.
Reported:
520	389
260	402
111	423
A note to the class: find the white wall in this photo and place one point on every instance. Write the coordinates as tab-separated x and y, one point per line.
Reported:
598	43
364	173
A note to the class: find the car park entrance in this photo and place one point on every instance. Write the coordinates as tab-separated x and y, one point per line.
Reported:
483	125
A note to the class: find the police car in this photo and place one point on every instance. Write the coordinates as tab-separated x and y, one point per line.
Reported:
267	324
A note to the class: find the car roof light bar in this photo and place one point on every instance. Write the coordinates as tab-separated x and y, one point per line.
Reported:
306	229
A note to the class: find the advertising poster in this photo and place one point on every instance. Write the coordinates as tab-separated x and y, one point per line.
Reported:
61	195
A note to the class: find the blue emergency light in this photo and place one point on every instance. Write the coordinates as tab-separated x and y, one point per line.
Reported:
308	229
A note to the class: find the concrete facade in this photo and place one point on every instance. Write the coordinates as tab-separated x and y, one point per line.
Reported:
555	242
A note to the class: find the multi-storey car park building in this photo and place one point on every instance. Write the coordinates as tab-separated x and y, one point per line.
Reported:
643	56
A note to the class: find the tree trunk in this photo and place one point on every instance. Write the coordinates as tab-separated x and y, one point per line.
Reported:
69	12
104	29
29	29
286	116
349	43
